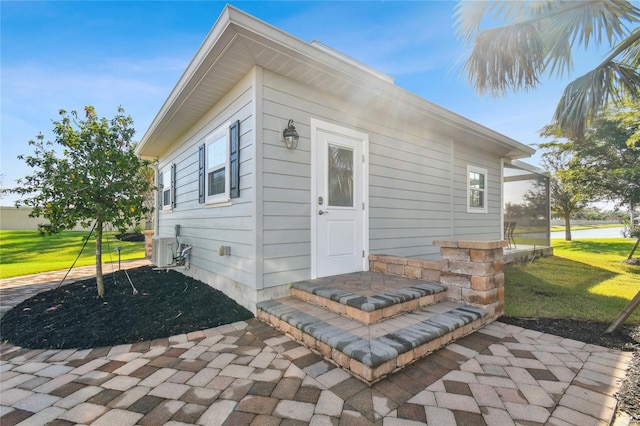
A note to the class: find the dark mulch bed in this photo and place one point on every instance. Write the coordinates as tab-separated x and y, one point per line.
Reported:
72	316
131	236
626	338
168	303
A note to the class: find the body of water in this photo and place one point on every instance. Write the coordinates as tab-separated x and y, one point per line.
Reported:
592	233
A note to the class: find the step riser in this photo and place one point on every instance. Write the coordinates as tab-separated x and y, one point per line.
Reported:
367	374
364	316
371	324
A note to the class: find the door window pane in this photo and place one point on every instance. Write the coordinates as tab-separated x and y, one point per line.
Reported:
340	185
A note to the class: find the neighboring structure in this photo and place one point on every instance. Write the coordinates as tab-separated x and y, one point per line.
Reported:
14	218
377	169
17	218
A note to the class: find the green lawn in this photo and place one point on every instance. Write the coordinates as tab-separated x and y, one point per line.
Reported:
559	228
27	252
585	280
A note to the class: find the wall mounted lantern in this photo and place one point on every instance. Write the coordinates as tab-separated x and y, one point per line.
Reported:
290	136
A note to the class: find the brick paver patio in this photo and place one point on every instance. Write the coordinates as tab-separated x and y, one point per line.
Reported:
249	373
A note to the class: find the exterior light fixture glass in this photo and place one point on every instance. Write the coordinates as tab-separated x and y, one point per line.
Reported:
290	136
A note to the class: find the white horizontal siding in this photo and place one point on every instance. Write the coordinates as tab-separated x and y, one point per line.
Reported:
408	176
409	195
476	226
416	194
207	227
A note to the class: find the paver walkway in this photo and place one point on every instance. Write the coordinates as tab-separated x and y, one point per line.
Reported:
15	290
249	373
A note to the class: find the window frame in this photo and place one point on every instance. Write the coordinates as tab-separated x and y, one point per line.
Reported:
470	188
221	132
165	186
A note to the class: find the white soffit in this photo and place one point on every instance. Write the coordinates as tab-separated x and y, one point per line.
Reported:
238	42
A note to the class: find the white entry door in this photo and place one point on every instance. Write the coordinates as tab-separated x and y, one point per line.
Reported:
339	204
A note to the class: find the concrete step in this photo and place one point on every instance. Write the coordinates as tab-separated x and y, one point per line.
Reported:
380	303
371	351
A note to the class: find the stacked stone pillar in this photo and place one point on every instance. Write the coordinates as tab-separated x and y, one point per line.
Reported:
473	273
428	270
148	243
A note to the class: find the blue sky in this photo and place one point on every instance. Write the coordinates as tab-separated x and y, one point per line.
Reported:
131	53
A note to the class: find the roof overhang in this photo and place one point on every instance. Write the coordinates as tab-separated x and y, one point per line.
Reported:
238	42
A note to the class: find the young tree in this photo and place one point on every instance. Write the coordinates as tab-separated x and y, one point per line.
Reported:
93	176
149	174
607	166
610	160
536	200
538	37
567	189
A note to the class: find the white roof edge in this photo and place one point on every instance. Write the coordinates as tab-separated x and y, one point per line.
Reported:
528	167
209	41
230	15
469	125
525	150
329	57
354	62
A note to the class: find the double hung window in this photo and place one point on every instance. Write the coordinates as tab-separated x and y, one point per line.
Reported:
167	187
217	174
219	158
476	190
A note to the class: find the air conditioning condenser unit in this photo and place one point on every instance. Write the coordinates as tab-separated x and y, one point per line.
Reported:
162	251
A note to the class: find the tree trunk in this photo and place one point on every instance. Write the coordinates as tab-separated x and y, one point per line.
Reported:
635	247
99	277
567	227
626	313
632	227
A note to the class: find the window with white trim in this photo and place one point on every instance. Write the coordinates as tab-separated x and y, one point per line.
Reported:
165	188
217	166
476	189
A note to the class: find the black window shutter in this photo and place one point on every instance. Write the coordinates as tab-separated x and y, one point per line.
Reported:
173	184
160	191
201	172
234	159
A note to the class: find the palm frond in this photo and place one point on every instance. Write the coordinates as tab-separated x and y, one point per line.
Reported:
558	50
630	49
555	25
514	11
597	20
508	57
568	23
469	15
586	96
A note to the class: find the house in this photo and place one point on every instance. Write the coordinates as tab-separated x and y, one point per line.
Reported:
375	169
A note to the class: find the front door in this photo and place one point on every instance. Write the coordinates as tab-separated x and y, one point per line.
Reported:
339	204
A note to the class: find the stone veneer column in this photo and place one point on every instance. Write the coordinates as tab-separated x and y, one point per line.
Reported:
428	270
473	273
148	243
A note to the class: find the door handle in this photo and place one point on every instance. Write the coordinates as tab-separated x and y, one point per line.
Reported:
321	212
